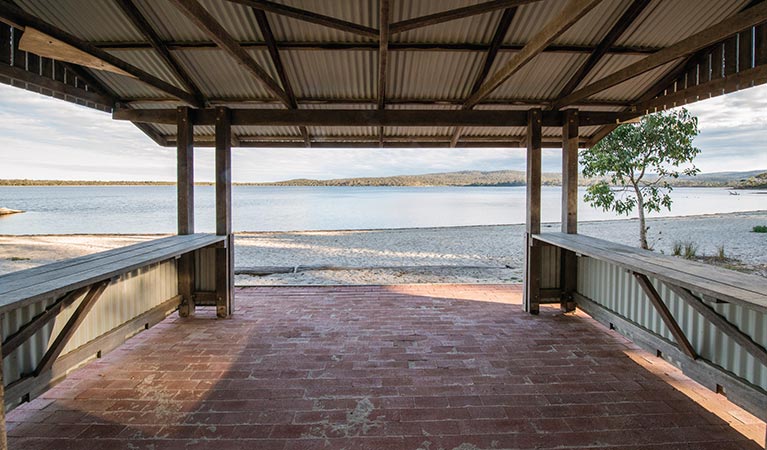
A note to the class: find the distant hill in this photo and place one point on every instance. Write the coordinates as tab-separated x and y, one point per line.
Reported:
750	179
758	181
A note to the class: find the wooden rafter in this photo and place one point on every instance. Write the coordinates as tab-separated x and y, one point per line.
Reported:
145	28
13	14
311	17
274	53
210	26
455	14
570	14
620	27
495	44
373	46
698	41
383	53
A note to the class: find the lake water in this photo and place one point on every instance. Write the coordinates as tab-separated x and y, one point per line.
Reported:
152	209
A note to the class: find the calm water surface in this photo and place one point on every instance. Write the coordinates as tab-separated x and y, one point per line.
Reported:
152	209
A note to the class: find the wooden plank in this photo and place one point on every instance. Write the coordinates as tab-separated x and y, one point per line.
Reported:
760	45
363	118
570	14
731	55
15	340
309	16
624	22
730	286
455	14
200	16
745	49
3	435
745	341
568	260
30	387
57	285
145	28
5	45
224	266
532	279
739	391
185	171
710	36
492	52
71	326
17	15
666	315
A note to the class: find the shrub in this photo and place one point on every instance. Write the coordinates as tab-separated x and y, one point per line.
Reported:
760	229
720	253
676	249
690	250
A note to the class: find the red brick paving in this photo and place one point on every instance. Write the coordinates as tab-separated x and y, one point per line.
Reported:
394	367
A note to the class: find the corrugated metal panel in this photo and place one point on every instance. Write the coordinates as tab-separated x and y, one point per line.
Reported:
169	22
550	267
542	78
218	75
426	75
636	87
345	75
666	22
128	297
478	29
363	12
617	290
150	62
127	87
205	269
241	130
530	19
86	19
593	27
492	131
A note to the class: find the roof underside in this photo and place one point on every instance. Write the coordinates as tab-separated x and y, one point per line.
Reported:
437	66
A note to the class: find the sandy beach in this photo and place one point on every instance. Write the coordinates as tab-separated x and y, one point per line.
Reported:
475	254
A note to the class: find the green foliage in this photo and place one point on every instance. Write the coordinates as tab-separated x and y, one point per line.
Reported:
637	161
720	254
760	229
687	250
676	249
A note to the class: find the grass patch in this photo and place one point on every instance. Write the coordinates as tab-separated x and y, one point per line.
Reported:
17	258
760	229
686	250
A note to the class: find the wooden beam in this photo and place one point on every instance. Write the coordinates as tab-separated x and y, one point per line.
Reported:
455	14
373	46
386	117
18	338
568	259
274	53
710	36
66	333
757	351
500	34
224	255
532	278
624	22
25	76
17	15
383	52
3	433
311	17
665	315
145	28
218	34
570	14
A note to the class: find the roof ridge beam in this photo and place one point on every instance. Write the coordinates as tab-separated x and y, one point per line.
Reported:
145	28
309	16
22	18
210	26
500	33
624	22
570	14
751	17
455	14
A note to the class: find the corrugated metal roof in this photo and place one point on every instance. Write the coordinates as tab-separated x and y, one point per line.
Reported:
439	76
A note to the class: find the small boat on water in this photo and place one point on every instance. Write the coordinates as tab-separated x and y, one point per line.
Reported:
734	193
7	211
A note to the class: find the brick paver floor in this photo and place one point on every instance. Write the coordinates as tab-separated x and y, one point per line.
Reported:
392	367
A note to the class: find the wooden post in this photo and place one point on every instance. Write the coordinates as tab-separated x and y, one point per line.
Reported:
185	201
568	261
224	255
532	293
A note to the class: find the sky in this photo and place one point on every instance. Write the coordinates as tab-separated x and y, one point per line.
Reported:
46	138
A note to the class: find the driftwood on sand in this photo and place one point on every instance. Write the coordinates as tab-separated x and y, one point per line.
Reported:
6	211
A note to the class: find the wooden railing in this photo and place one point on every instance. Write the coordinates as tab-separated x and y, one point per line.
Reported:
57	316
711	322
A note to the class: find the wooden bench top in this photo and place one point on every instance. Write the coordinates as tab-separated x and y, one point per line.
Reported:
28	286
723	284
